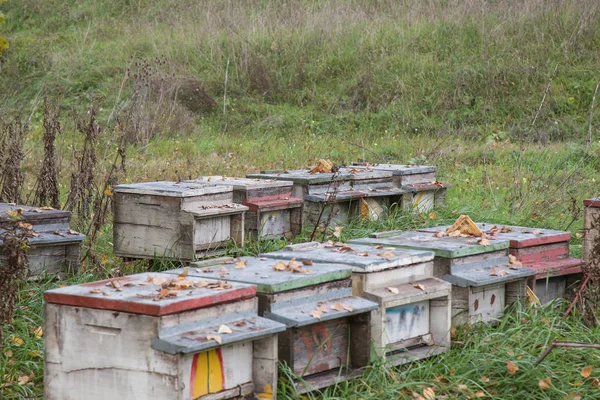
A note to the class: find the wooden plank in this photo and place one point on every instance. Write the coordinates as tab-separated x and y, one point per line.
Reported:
551	288
260	272
566	266
406	322
447	247
320	347
487	303
171	189
478	275
591	228
139	299
547	252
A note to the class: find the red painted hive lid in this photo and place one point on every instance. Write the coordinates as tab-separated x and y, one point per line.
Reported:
595	202
153	294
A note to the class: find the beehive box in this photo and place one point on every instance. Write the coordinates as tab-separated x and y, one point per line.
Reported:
158	336
175	220
354	193
483	280
424	191
544	250
323	345
54	247
273	211
591	226
413	318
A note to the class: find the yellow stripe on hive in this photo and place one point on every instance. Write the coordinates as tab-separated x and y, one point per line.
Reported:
215	372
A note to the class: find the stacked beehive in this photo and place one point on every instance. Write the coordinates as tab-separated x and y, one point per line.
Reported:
273	211
179	220
53	246
483	280
412	320
544	250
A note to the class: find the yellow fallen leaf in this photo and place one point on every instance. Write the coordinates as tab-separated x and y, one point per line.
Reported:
545	383
241	264
393	290
432	215
23	379
419	286
428	393
38	332
108	192
586	372
483	242
183	274
511	368
224	329
280	266
216	338
307	262
17	341
513	260
34	354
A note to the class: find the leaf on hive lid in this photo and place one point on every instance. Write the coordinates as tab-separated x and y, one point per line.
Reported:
393	290
513	260
280	266
216	338
241	264
322	166
387	255
362	254
483	242
419	286
183	274
317	312
224	329
307	262
464	225
223	270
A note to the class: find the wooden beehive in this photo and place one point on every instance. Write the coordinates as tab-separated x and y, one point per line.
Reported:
591	226
413	318
483	281
54	247
424	191
322	347
273	211
342	195
544	250
182	220
148	336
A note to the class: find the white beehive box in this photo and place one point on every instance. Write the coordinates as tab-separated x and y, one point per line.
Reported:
483	281
413	318
321	349
591	226
182	220
54	247
148	336
424	191
544	250
273	211
345	194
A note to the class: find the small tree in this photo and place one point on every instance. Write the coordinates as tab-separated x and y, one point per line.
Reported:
3	42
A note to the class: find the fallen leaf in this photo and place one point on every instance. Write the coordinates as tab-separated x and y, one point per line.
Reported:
239	323
428	393
98	291
387	255
511	368
340	307
483	242
223	270
480	393
108	192
307	262
163	293
492	299
545	383
462	387
17	341
316	313
241	264
346	248
216	338
362	254
538	232
586	372
38	332
485	379
393	290
513	260
183	274
419	286
280	266
337	231
432	215
379	246
224	329
23	379
201	284
439	234
476	304
158	281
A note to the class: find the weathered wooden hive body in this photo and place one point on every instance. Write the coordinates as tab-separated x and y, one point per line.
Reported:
323	349
591	226
54	247
132	338
483	281
544	250
182	220
424	191
413	318
353	192
273	211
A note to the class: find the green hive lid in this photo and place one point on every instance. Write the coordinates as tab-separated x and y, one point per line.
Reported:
446	247
260	272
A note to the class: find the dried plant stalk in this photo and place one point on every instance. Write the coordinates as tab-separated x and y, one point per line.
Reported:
47	186
12	176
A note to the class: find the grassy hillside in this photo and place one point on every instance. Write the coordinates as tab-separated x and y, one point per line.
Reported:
498	94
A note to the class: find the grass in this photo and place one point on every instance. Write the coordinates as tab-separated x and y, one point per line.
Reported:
453	83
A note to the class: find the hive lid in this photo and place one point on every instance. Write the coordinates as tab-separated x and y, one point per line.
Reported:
362	258
139	294
519	236
400	169
32	215
362	173
483	275
172	189
243	183
260	272
595	202
446	247
303	176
